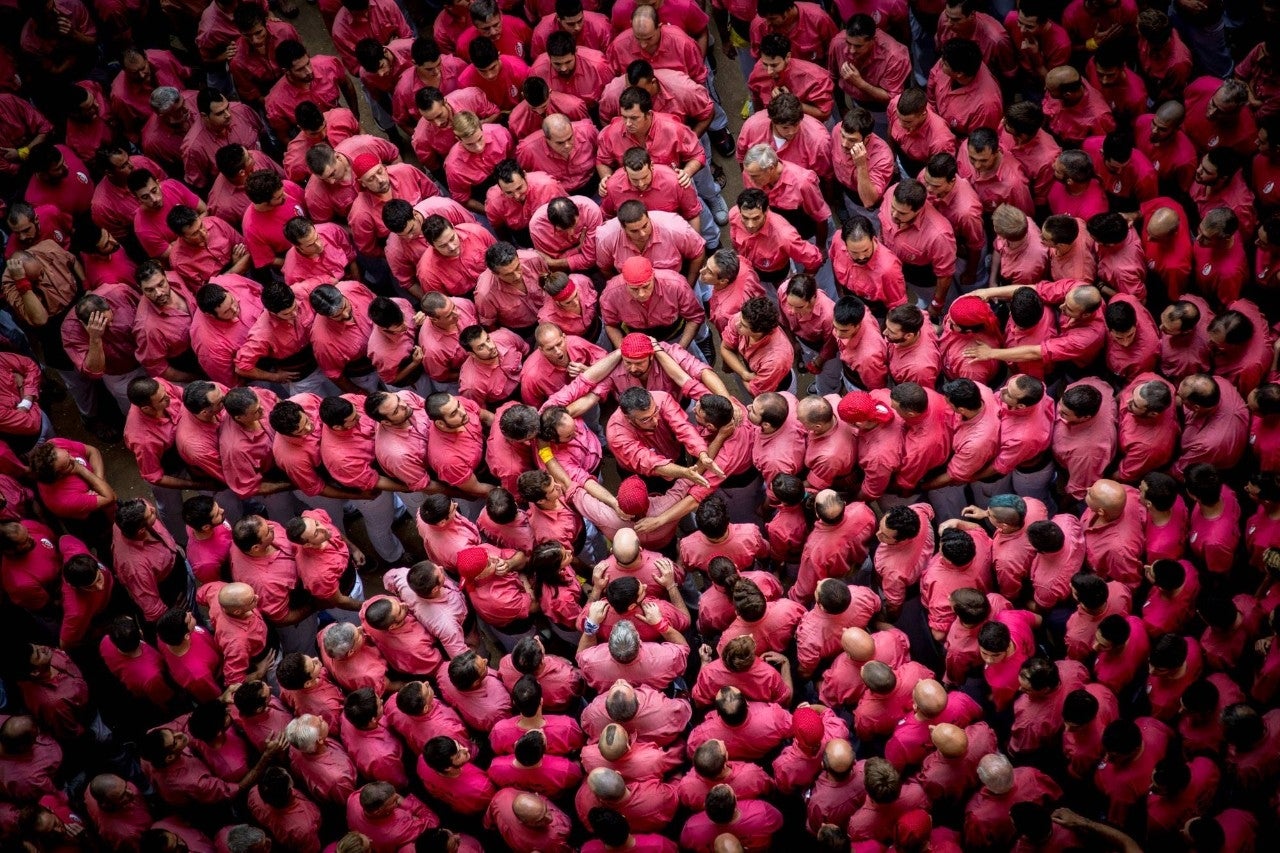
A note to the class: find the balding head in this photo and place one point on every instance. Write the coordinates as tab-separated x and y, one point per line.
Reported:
996	773
644	21
606	784
626	546
235	596
727	842
950	740
530	809
930	697
1086	298
108	789
814	411
18	734
1107	498
614	742
858	644
31	265
1171	113
837	756
556	125
1162	223
1063	75
829	505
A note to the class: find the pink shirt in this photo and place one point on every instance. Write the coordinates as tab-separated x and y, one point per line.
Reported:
534	154
672	244
832	548
492	383
578	246
196	670
774	246
941	578
900	564
928	241
1217	435
1086	449
323	90
671	303
933	136
264	229
457	275
330	265
966	107
341	346
1214	541
810	147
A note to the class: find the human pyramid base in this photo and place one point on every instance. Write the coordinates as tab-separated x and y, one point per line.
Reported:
556	425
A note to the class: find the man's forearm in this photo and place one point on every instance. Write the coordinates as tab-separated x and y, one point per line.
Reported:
1026	352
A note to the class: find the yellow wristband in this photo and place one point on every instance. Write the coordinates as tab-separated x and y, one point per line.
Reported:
545	454
23	153
1091	45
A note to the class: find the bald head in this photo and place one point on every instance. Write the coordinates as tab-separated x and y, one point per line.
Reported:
614	742
626	546
107	787
1063	75
1162	223
727	842
950	740
837	756
1107	496
858	644
607	784
930	697
235	596
996	773
1171	112
530	809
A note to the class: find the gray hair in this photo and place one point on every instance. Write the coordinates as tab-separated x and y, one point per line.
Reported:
245	838
624	642
761	156
165	98
340	639
304	733
1234	92
996	772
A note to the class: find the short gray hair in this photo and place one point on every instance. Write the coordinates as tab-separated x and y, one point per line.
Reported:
165	98
340	639
304	733
624	642
761	156
245	838
996	772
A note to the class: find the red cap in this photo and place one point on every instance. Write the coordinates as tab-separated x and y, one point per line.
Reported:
971	311
859	407
914	828
633	497
472	562
637	270
636	345
364	163
806	727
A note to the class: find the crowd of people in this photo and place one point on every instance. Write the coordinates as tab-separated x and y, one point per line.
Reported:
924	495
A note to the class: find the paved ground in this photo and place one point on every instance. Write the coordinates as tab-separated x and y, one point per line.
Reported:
122	471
